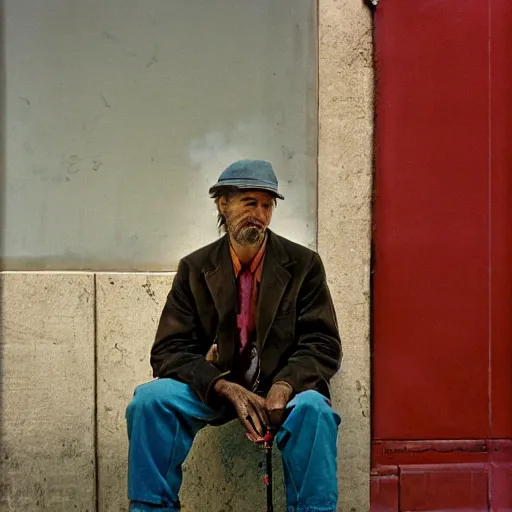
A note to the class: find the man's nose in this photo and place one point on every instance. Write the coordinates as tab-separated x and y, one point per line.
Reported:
260	213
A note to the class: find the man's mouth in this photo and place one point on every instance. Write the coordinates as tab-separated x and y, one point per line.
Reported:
253	225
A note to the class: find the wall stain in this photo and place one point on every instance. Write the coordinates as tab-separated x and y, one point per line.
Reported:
84	294
39	495
154	58
363	399
149	290
71	449
110	37
105	101
71	163
287	152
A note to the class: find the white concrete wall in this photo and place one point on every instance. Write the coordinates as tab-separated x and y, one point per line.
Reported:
127	315
55	326
47	450
344	222
120	115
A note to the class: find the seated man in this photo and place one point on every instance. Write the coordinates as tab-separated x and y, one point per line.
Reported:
248	330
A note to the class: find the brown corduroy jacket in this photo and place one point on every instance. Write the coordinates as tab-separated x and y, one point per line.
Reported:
297	334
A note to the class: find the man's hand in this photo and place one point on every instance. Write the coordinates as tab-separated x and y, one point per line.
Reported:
276	402
249	407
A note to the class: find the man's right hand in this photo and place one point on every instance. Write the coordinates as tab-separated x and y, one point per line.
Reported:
249	407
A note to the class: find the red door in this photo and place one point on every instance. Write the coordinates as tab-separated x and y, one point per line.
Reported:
442	274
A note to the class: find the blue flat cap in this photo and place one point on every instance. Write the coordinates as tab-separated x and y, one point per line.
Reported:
252	174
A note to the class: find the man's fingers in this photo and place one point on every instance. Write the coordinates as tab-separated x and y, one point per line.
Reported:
259	419
250	428
275	416
259	408
251	412
275	406
265	418
251	438
257	423
248	423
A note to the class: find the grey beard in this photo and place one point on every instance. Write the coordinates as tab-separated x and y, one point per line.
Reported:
249	235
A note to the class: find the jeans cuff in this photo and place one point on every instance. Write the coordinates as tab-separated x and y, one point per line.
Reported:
312	509
139	506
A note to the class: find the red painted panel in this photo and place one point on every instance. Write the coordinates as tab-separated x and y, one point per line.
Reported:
443	475
501	488
442	288
427	488
384	493
501	476
431	286
501	225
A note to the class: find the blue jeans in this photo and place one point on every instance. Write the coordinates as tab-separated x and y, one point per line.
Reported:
164	417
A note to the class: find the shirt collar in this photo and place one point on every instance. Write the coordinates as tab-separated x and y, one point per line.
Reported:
255	263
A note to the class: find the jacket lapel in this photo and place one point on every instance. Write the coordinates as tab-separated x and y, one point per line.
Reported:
274	280
221	284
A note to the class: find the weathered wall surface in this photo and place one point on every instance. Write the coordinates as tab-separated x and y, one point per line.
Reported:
49	332
344	212
128	307
47	453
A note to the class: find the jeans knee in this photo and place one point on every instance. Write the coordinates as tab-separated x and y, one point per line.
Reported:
311	399
313	402
150	395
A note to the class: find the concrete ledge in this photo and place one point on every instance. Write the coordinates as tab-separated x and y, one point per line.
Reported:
222	471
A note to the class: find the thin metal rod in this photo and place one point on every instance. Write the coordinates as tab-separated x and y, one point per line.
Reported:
270	505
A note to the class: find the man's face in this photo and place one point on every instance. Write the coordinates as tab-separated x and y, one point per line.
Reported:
248	215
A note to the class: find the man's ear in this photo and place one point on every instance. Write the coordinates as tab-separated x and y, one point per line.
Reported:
223	203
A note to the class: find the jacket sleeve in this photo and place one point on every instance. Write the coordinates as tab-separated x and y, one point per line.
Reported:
177	352
318	354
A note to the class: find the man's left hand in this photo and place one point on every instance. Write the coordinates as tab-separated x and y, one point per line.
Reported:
276	402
